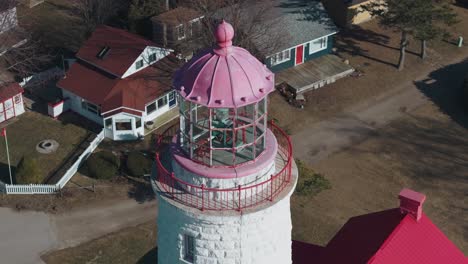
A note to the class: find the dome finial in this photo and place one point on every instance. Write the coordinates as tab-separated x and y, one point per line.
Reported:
224	34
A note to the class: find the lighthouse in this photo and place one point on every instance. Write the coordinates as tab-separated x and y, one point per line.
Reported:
224	176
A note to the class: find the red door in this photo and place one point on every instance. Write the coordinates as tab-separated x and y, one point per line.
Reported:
299	55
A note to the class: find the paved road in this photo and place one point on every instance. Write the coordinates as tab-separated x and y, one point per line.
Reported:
330	136
28	235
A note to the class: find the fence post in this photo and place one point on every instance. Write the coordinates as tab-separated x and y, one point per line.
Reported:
203	197
239	205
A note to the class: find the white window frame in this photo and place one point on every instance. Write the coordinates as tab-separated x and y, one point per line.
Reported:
179	37
323	45
188	249
94	109
281	57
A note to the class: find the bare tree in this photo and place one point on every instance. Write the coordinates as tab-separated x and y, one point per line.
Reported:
96	12
20	52
252	20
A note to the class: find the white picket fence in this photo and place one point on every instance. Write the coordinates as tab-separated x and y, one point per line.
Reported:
49	188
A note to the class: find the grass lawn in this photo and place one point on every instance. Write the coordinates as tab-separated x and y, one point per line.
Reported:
131	245
28	131
425	150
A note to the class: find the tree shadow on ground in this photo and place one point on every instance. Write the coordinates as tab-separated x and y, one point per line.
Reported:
444	87
141	191
151	257
79	121
5	174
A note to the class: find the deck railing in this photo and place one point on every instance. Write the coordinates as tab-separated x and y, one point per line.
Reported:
242	197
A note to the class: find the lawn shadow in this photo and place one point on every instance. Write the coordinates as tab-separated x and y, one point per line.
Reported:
444	87
348	41
151	257
79	121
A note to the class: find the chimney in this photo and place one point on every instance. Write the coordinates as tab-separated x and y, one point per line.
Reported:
411	203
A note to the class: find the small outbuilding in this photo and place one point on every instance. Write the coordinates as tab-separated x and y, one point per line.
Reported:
348	12
11	101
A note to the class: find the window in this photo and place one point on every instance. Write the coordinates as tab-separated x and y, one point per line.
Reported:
280	57
162	102
108	123
150	108
180	30
139	64
104	51
152	57
317	45
123	124
17	99
189	248
138	123
92	108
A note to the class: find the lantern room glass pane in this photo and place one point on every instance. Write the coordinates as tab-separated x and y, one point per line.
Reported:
222	137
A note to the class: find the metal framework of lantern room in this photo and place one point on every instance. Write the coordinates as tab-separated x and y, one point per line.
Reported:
223	137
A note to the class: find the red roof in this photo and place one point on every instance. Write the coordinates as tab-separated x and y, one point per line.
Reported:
9	90
124	47
420	242
387	237
111	93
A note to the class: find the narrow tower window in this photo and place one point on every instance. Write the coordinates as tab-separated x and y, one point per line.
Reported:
189	248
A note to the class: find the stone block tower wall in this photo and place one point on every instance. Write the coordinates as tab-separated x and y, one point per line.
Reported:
257	236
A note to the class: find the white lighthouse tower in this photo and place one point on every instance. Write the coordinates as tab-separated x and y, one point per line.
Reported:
225	179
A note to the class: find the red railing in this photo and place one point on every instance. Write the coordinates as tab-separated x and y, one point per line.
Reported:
239	198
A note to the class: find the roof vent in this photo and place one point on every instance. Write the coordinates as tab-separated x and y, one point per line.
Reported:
104	51
411	203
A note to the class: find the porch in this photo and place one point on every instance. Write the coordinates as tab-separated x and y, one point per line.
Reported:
314	73
162	120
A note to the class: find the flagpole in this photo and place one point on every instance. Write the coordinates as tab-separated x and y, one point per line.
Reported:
8	155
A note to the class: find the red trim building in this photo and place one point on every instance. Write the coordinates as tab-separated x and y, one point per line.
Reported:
11	101
120	81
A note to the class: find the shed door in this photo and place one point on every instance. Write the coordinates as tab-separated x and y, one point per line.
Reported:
9	108
299	54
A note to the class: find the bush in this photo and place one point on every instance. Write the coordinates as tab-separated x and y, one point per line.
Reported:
310	182
138	164
28	171
102	165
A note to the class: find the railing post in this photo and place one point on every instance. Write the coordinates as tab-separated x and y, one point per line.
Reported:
239	190
271	188
202	197
172	184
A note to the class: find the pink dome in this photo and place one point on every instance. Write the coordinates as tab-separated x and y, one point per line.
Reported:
226	76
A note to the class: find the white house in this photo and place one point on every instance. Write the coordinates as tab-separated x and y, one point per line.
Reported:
121	81
11	101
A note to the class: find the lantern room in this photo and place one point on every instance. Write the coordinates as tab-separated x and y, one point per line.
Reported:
223	104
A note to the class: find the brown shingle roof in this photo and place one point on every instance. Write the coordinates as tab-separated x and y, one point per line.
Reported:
124	47
9	90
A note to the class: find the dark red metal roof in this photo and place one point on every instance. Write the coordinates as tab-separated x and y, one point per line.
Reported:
124	49
9	90
386	237
111	93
